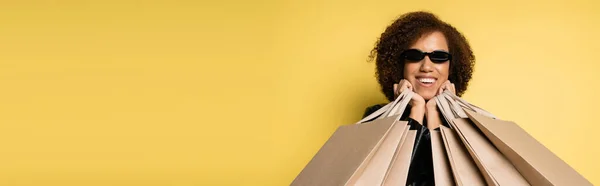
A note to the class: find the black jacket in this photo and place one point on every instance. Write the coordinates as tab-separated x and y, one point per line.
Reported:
421	167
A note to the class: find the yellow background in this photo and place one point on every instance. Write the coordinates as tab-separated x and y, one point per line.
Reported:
245	92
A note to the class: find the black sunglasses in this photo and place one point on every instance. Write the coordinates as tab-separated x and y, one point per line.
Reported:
437	56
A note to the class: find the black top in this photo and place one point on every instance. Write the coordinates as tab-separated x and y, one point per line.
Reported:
421	166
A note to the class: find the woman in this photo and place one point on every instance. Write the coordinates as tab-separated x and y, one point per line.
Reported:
421	53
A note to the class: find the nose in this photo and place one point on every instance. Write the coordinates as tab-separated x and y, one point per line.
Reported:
426	65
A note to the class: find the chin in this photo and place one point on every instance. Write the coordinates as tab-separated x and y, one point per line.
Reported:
426	95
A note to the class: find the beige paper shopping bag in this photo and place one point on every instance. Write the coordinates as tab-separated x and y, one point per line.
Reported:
377	167
533	160
397	173
464	170
491	162
355	153
441	165
495	168
343	154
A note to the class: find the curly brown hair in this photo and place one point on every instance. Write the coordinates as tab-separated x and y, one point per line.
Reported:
403	33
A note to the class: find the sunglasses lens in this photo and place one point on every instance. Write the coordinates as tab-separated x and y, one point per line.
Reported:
413	55
439	56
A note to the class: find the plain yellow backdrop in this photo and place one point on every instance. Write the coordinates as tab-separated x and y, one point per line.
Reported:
245	92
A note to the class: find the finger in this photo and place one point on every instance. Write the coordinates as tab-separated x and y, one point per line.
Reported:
403	85
395	90
453	88
445	87
442	88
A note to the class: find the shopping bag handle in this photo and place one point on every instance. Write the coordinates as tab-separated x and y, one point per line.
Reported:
401	106
452	107
456	109
390	109
466	105
445	109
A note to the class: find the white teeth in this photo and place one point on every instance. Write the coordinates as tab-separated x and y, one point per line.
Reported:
426	80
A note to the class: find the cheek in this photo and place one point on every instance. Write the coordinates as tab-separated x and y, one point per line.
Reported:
410	69
444	70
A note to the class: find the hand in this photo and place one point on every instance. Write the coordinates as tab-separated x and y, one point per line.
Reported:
417	103
416	100
431	105
431	111
447	86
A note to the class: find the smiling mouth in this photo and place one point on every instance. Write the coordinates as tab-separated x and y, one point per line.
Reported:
426	81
